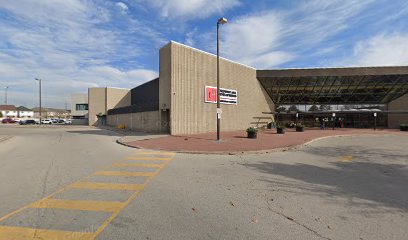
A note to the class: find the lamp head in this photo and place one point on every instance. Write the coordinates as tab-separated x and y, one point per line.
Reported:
222	21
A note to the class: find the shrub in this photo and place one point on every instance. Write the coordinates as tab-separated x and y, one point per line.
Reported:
251	130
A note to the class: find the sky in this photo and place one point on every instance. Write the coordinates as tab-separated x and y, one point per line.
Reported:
75	44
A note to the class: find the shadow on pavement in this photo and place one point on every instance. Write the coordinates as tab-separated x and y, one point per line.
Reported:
96	132
383	185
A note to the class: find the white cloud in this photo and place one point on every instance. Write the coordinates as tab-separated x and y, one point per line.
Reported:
274	37
191	8
122	6
382	50
71	46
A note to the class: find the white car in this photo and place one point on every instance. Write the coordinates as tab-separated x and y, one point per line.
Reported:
46	121
68	121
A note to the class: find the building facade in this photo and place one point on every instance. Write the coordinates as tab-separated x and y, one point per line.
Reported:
100	100
183	99
79	108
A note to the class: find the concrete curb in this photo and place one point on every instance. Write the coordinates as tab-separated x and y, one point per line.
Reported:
266	151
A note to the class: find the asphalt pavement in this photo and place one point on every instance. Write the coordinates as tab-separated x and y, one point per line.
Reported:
77	182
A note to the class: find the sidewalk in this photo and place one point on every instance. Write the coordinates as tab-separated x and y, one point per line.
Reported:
236	142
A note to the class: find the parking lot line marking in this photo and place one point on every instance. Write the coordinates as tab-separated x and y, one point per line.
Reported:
107	186
17	233
149	158
157	153
127	174
22	233
138	165
346	158
101	206
131	198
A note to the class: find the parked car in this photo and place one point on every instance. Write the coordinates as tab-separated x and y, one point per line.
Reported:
46	121
61	121
68	121
27	122
8	120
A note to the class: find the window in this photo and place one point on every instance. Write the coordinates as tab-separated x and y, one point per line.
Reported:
82	107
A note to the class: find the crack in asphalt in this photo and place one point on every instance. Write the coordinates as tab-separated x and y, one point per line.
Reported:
298	223
44	185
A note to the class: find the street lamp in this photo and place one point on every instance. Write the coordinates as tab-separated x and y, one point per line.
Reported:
220	21
5	94
39	81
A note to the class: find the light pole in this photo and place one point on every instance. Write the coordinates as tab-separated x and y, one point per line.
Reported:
39	81
220	21
5	94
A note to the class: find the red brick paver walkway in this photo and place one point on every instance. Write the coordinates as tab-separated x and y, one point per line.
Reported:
237	141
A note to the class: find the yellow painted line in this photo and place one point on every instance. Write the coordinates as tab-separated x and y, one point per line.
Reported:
101	206
138	165
127	174
346	158
149	158
115	214
21	233
108	186
157	153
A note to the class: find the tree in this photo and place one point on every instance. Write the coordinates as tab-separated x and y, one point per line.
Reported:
1	114
281	109
313	108
293	108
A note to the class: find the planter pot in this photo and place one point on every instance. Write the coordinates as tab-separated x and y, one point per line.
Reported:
280	130
300	129
252	135
404	128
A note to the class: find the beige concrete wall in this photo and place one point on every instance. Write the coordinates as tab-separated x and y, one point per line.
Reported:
191	70
117	97
142	121
100	100
97	104
78	98
394	120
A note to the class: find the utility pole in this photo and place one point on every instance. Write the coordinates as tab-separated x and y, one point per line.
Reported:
220	21
40	110
5	94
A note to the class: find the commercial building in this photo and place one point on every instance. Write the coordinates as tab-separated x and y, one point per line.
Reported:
100	100
79	108
182	100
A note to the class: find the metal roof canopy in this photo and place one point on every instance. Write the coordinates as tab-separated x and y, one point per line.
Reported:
362	85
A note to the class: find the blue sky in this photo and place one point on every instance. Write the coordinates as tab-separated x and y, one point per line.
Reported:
76	44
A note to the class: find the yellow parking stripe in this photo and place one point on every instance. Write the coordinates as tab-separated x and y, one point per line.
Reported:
127	174
138	165
78	205
108	186
21	233
149	158
157	153
346	158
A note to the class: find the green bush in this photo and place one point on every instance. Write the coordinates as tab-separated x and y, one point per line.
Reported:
251	130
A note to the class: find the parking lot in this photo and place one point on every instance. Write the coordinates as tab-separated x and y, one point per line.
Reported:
336	188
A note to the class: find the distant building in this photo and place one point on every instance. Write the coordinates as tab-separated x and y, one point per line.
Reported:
8	111
51	113
24	112
79	108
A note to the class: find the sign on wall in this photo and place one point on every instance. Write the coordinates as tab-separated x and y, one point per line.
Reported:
227	96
